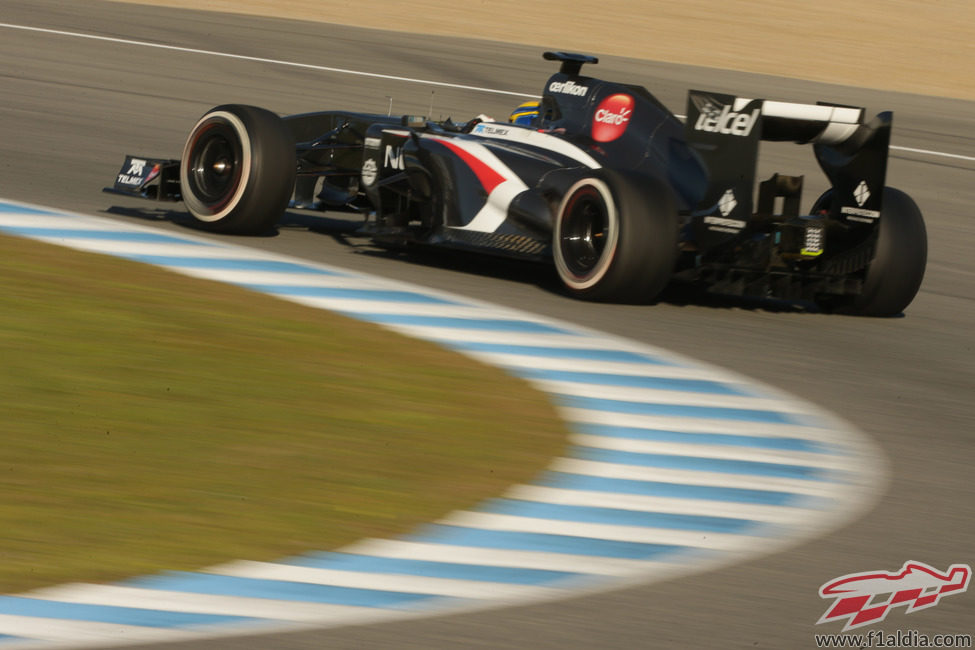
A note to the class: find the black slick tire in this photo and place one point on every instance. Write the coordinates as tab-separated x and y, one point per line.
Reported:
615	237
896	271
237	172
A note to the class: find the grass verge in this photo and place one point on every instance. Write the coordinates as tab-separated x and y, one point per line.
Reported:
152	421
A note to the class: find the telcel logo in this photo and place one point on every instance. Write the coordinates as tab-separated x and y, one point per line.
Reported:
612	117
727	122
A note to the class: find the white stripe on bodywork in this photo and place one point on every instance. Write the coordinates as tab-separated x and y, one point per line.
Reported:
540	139
812	112
838	122
495	209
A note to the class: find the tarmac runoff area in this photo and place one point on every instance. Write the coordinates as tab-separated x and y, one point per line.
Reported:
674	467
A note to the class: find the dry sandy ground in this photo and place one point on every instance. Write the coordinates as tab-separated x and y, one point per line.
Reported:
921	46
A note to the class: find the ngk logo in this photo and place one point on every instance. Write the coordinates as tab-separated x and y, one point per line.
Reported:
612	117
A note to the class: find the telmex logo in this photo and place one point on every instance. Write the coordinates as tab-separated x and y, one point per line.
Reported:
916	585
137	167
612	117
136	175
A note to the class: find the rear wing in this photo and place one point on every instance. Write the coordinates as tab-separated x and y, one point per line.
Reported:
725	131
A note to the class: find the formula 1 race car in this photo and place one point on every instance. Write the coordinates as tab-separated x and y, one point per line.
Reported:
603	180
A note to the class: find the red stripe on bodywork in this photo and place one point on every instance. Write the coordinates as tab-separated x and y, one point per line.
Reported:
488	177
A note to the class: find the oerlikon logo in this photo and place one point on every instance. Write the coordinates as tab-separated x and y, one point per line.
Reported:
612	117
865	598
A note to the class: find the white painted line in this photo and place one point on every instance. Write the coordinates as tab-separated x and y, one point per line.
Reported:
686	477
634	534
928	152
783	515
193	603
472	589
258	59
584	564
723	452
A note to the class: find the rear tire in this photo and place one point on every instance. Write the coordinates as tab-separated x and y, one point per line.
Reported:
237	172
615	238
897	268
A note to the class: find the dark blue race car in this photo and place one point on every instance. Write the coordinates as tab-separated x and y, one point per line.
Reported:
598	178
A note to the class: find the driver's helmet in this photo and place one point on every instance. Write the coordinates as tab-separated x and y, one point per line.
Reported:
525	113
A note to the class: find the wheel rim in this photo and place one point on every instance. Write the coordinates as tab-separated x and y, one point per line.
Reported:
214	165
584	231
586	234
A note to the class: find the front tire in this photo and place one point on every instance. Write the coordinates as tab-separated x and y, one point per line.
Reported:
237	172
615	238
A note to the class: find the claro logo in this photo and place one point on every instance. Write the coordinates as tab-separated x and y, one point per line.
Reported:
612	117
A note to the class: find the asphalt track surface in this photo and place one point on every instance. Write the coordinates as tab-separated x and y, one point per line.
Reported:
72	107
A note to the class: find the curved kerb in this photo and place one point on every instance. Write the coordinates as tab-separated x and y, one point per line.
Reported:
673	467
